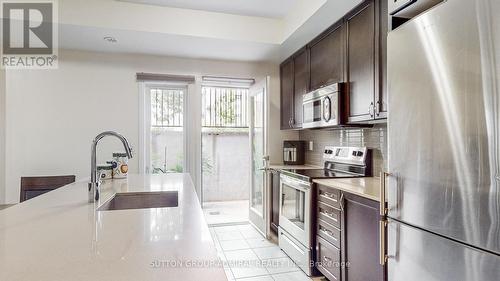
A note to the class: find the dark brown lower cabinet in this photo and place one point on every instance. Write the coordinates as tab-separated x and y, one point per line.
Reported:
347	240
329	259
275	193
361	239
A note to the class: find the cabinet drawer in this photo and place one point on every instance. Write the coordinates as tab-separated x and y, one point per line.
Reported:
329	215
328	259
329	196
329	233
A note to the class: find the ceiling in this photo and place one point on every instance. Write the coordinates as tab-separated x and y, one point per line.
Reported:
180	32
151	43
257	8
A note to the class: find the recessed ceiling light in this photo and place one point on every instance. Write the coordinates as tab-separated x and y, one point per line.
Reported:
110	39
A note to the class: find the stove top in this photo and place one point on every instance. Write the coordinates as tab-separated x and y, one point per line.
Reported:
310	174
339	162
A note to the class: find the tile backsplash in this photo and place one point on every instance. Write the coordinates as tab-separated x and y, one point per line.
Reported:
374	138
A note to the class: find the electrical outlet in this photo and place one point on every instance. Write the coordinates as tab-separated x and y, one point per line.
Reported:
311	146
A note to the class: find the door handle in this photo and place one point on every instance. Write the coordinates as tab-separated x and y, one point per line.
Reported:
382	232
377	108
370	110
383	191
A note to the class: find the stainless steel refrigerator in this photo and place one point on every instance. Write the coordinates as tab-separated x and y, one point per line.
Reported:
443	185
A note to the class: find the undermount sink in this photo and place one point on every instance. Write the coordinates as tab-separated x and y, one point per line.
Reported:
141	200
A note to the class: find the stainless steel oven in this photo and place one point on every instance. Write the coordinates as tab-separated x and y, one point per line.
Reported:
295	220
296	200
322	107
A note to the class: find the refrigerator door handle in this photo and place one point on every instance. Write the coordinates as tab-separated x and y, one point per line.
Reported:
382	235
383	192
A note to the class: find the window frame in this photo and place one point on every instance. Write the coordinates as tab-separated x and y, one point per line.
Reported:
145	121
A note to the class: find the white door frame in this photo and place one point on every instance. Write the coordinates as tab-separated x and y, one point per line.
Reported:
260	221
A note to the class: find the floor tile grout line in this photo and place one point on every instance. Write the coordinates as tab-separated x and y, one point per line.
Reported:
225	257
269	274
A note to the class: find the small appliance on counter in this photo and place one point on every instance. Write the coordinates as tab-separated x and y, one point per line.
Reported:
294	152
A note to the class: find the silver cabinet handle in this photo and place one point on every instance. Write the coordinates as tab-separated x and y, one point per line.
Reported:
331	215
329	196
377	108
370	109
342	201
329	233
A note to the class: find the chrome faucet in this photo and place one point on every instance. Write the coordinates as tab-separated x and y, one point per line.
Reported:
94	177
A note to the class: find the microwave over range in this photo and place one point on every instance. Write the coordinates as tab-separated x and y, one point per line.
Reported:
324	107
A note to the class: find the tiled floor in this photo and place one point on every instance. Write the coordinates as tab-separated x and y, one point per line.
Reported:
250	257
226	212
5	206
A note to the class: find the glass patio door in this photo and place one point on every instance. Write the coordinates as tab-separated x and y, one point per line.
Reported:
258	214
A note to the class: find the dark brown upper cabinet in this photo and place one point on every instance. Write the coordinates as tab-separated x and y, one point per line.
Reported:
352	50
287	92
361	60
327	58
301	87
381	104
366	48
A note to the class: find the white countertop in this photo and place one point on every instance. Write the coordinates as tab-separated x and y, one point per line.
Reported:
59	236
368	187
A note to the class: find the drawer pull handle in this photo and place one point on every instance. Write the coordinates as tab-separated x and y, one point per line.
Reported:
326	213
330	196
329	233
331	215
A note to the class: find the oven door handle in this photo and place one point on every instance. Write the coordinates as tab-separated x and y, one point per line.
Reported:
297	184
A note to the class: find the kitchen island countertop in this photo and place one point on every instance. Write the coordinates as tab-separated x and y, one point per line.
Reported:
59	236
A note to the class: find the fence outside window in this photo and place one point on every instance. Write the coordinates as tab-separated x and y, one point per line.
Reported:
224	107
167	107
221	107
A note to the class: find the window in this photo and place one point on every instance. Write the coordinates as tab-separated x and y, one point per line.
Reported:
167	108
167	129
224	107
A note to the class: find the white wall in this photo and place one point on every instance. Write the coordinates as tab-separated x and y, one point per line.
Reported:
52	115
2	136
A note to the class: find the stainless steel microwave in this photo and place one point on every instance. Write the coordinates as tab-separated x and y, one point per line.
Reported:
322	107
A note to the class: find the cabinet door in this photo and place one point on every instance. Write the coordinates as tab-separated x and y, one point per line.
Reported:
381	97
275	194
286	104
301	85
327	59
361	63
361	239
328	257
